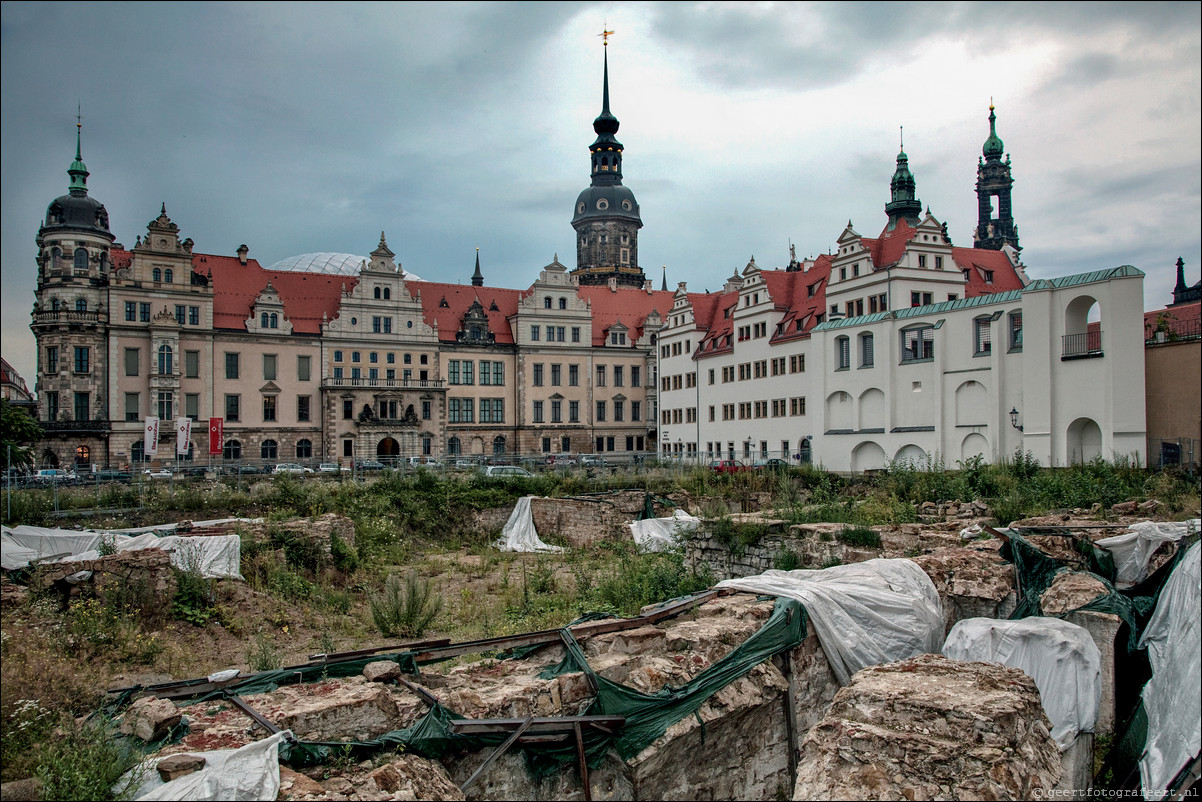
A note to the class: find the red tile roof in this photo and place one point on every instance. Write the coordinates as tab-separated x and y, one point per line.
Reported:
445	305
1180	320
978	262
306	296
625	305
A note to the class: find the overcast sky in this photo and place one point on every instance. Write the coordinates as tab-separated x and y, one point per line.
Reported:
296	128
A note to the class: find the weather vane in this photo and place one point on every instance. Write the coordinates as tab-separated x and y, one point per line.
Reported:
605	34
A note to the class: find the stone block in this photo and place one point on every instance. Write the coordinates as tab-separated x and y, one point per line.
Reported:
293	784
169	768
381	671
150	718
27	790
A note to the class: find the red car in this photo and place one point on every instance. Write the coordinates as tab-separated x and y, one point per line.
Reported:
727	466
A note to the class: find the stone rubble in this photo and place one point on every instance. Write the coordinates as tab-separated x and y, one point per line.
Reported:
150	718
931	728
1070	590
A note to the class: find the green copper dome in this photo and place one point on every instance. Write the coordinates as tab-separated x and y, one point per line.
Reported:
993	145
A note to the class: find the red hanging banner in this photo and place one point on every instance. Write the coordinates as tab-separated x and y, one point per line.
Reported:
216	426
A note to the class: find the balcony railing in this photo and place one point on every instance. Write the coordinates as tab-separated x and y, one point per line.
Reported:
1170	331
1081	346
63	426
66	316
386	383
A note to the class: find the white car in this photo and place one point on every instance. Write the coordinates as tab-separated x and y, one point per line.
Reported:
160	473
332	467
506	471
291	467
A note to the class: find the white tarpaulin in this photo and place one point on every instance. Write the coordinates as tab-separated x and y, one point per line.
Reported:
1061	657
1134	548
662	534
249	774
214	556
1173	639
865	613
519	533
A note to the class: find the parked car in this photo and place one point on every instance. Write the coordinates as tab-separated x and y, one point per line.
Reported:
332	468
429	463
156	473
49	475
464	464
560	460
107	475
727	466
369	465
593	461
243	470
773	464
291	467
506	471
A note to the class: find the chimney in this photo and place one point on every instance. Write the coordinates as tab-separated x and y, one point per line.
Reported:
242	251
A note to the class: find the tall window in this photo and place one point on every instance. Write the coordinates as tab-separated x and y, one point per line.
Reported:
131	361
1016	331
268	408
485	372
131	311
636	410
574	375
600	412
52	405
867	356
302	407
233	408
168	276
600	375
192	364
842	353
498	373
144	312
132	407
193	315
556	375
231	366
538	411
468	366
166	405
166	356
181	313
269	370
81	260
619	378
538	375
82	359
918	344
573	412
52	359
303	368
556	411
82	406
192	405
981	337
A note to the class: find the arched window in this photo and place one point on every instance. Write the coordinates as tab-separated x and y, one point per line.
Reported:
156	274
81	260
81	454
453	447
269	449
275	321
387	294
304	449
81	305
498	445
563	303
232	449
54	305
377	292
56	259
263	320
168	276
427	445
547	302
165	360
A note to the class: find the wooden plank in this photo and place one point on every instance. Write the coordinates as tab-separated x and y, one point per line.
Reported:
500	750
582	760
337	657
469	726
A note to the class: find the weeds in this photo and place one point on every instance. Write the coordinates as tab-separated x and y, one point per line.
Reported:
262	654
859	536
405	608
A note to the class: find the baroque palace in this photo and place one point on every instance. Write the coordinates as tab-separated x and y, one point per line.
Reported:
899	346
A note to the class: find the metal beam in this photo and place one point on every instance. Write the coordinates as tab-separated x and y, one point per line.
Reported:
500	750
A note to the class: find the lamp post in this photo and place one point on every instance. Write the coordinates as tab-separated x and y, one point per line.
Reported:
1014	418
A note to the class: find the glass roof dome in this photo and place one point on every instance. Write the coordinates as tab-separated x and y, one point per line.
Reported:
344	264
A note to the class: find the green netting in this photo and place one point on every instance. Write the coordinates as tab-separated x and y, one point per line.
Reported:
268	681
648	716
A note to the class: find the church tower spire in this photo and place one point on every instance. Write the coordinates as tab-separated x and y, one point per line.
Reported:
606	217
78	171
904	205
994	181
477	277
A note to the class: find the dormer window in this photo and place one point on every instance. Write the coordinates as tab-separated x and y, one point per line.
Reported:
938	262
922	260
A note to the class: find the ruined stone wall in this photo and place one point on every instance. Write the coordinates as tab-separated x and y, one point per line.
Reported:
579	520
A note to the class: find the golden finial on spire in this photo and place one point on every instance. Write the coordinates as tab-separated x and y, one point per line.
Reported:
79	115
605	34
991	102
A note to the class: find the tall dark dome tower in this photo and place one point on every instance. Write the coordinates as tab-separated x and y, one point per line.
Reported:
606	217
994	181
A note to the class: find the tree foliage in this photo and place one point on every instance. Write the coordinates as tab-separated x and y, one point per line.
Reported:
18	430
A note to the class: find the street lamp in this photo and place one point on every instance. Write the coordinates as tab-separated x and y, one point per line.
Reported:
1014	419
